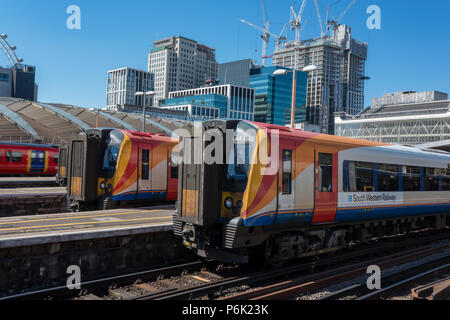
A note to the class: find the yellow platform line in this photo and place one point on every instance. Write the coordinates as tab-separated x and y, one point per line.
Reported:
80	217
81	223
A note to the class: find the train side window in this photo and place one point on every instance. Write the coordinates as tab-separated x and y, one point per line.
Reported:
13	156
325	172
432	179
145	165
445	180
411	178
287	172
388	177
56	158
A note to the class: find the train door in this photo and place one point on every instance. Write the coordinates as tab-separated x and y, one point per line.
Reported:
286	190
37	161
144	184
159	169
325	183
172	174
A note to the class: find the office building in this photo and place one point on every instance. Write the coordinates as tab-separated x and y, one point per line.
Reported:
338	84
122	85
273	96
236	72
18	82
408	123
179	63
234	102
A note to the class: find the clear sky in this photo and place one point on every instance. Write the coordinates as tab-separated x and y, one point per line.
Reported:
410	52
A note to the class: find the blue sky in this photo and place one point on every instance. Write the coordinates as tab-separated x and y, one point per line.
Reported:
410	52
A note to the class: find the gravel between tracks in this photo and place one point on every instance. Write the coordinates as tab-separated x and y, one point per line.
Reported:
362	279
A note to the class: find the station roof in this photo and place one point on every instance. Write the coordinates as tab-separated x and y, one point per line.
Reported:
29	121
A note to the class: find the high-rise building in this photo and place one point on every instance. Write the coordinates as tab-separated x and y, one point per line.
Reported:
18	82
179	63
338	84
236	72
123	83
233	102
273	96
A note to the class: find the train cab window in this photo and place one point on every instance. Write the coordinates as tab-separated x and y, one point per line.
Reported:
145	165
432	179
56	158
325	172
13	156
388	177
411	178
287	172
445	180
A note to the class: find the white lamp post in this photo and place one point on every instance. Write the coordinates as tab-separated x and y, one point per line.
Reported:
281	72
138	94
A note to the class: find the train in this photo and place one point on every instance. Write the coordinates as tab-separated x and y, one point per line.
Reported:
317	194
28	159
111	168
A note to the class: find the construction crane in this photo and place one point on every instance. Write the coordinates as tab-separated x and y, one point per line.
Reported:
296	21
266	34
335	23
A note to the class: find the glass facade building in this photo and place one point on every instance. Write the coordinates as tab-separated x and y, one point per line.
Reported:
273	96
234	102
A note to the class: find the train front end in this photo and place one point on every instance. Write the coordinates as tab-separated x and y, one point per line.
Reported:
212	189
91	166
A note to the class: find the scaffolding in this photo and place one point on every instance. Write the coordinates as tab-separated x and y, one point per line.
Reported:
338	83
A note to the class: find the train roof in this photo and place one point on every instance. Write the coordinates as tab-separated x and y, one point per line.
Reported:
31	145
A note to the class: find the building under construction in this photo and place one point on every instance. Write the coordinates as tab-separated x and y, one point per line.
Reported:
338	83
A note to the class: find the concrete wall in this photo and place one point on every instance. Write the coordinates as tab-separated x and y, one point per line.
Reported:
16	205
36	266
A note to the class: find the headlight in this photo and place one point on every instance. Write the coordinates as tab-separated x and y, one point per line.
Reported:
102	186
228	203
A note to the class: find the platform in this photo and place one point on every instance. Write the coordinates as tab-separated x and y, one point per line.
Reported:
36	251
31	230
27	182
32	201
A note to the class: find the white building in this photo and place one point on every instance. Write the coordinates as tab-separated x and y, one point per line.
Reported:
196	112
6	81
234	102
123	83
403	123
405	97
179	63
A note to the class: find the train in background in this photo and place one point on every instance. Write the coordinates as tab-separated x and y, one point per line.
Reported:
110	168
326	193
27	159
61	174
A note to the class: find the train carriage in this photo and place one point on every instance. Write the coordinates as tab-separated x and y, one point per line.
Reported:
110	168
28	159
317	193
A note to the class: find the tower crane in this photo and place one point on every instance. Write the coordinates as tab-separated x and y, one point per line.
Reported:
296	21
335	23
266	34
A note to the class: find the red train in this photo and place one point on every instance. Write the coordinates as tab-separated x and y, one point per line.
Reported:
28	159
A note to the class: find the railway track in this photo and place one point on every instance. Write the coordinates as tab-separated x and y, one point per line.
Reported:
195	280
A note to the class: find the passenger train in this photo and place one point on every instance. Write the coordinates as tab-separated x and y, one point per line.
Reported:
26	159
110	168
324	193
